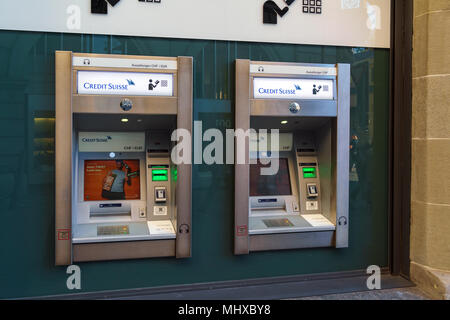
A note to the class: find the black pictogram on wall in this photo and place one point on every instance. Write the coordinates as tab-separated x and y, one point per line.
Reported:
101	6
152	85
271	11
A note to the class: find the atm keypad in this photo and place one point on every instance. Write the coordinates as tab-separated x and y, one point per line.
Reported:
112	230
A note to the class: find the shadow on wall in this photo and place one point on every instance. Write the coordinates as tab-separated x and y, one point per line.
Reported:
7	188
12	180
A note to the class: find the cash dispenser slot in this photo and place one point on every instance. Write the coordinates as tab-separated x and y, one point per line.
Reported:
268	204
109	210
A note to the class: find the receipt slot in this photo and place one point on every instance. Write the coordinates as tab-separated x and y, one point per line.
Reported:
296	121
119	194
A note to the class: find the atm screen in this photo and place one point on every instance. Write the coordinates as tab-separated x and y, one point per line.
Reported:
111	180
278	184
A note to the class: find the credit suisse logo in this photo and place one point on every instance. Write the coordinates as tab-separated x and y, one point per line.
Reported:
284	88
120	83
280	91
109	86
97	140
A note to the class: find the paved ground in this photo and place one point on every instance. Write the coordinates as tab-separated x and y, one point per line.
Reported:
412	293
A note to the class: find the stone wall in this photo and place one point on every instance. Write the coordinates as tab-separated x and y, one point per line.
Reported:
430	193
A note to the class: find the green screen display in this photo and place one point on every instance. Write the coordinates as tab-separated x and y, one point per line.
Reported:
160	175
309	173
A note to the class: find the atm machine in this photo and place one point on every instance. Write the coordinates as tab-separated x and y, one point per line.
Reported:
296	118
120	194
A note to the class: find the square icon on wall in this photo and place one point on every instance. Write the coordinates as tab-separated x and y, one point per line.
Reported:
312	6
99	6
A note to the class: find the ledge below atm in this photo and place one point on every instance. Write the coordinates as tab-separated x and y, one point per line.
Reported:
294	240
123	231
108	241
123	250
289	223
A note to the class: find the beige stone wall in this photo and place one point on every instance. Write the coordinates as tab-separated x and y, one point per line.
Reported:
430	194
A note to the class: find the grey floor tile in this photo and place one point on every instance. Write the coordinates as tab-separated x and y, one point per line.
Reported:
412	293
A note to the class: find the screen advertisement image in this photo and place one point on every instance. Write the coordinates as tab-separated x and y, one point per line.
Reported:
270	185
111	180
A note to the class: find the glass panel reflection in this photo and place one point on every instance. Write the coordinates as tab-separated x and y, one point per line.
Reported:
27	164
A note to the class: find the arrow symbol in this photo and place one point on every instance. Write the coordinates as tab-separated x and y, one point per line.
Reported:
101	6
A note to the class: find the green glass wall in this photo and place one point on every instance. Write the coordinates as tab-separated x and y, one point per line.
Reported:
27	79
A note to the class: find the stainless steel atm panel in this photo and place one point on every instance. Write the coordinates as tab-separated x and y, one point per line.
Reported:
305	203
119	195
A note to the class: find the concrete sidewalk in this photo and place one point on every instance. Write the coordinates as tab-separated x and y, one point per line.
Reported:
412	293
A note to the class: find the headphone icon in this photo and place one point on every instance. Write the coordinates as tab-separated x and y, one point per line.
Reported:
342	221
184	228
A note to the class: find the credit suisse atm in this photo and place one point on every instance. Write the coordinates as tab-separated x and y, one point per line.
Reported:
119	192
302	202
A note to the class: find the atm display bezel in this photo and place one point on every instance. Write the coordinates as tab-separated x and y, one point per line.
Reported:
260	165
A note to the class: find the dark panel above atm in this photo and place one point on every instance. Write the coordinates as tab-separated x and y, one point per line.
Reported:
117	122
287	123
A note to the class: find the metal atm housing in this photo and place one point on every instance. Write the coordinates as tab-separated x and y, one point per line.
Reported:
305	204
118	193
